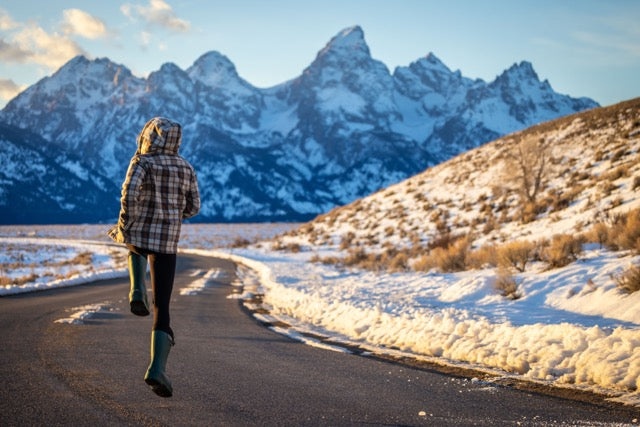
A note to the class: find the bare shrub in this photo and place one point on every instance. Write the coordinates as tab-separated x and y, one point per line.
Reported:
358	257
506	284
516	254
599	234
18	280
530	211
453	258
580	175
564	249
617	173
347	240
278	245
629	280
483	257
240	242
625	232
504	217
443	240
400	262
616	202
490	224
618	155
423	263
329	260
562	199
486	208
294	247
606	188
83	258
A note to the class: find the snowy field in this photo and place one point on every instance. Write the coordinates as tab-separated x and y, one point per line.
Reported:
37	257
32	263
572	327
191	236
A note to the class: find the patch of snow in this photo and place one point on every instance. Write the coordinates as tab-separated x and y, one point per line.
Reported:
80	314
200	284
76	168
295	335
340	99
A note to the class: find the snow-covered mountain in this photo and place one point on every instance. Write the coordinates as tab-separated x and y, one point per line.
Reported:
592	175
38	185
344	128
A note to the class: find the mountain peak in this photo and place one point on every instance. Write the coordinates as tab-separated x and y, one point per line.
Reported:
350	39
348	36
98	69
523	70
169	67
432	62
76	60
74	65
213	61
213	69
80	62
167	72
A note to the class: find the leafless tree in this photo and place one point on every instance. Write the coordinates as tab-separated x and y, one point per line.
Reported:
527	162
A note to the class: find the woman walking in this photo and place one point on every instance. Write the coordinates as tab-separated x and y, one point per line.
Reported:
159	191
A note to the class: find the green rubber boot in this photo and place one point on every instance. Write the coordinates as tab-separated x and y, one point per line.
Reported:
161	343
138	293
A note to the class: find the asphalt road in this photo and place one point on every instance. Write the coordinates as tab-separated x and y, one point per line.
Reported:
228	369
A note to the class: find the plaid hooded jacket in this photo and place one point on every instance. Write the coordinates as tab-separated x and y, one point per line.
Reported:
159	191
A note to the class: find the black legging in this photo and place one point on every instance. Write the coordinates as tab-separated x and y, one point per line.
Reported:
162	268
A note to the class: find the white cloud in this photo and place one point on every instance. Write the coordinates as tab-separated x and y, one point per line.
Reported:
9	89
157	13
6	23
29	43
11	52
81	23
33	44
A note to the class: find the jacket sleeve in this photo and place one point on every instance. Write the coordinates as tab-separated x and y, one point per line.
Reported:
193	198
131	189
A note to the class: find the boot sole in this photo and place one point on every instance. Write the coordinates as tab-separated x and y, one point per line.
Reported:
159	388
139	309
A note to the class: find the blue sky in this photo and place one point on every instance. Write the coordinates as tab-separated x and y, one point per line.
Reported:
584	47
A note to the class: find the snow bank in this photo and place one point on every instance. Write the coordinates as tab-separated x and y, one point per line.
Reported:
550	335
80	279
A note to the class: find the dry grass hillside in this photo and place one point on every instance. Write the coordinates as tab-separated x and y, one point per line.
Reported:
544	189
